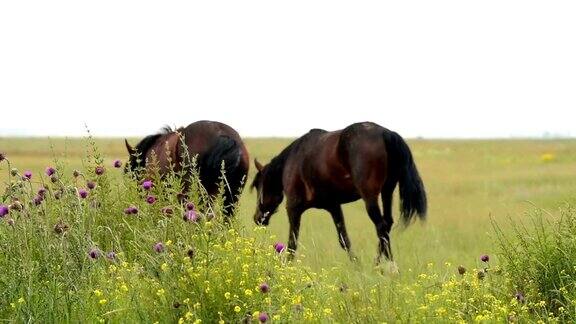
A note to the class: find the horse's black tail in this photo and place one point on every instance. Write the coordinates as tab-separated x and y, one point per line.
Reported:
412	193
225	150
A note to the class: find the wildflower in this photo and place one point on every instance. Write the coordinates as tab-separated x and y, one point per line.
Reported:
94	253
99	170
279	247
117	164
248	292
485	258
263	317
131	210
547	157
102	301
58	194
481	274
54	178
27	175
159	247
461	270
151	199
82	193
168	211
2	156
21	300
14	172
50	171
264	288
164	267
227	295
91	185
111	256
16	205
190	253
76	173
191	216
328	311
60	227
147	185
37	200
160	292
519	297
4	210
237	309
190	206
176	304
41	191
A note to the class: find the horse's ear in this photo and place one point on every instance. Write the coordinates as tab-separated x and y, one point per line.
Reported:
258	165
130	149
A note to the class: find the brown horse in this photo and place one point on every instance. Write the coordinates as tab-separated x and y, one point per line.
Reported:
326	169
211	142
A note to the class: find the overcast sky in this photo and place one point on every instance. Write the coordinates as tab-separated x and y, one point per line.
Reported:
279	68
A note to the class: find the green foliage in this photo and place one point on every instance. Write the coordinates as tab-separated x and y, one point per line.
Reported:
540	260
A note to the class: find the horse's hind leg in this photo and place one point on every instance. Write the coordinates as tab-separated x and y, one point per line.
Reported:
383	236
338	217
387	194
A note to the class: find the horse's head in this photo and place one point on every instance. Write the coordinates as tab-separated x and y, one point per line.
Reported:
269	189
132	164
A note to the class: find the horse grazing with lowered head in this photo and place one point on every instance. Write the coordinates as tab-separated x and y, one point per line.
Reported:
326	169
212	143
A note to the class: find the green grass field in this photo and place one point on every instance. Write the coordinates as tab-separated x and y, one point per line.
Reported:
469	182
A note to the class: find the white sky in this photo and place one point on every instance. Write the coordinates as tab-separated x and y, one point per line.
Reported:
279	68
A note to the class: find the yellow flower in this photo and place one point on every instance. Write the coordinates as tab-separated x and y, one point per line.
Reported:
276	317
169	242
237	309
188	315
186	301
21	300
328	311
198	321
124	288
227	295
160	292
181	321
102	301
547	157
164	267
97	293
221	322
248	292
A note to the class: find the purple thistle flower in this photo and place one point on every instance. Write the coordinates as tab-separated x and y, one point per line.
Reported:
41	191
279	247
2	156
132	210
27	175
38	200
99	170
150	199
94	253
190	206
76	173
263	317
50	171
91	185
54	178
485	258
168	211
147	185
111	256
4	210
191	216
264	288
117	164
519	297
83	193
159	247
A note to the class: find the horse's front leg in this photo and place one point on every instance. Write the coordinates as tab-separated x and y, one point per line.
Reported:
294	216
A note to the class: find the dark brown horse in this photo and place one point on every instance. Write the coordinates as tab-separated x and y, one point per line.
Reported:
211	143
326	169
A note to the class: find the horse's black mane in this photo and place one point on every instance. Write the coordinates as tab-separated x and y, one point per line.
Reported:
138	160
276	165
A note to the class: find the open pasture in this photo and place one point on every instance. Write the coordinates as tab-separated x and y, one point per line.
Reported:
469	182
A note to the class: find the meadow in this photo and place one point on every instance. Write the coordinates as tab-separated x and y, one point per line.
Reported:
471	185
